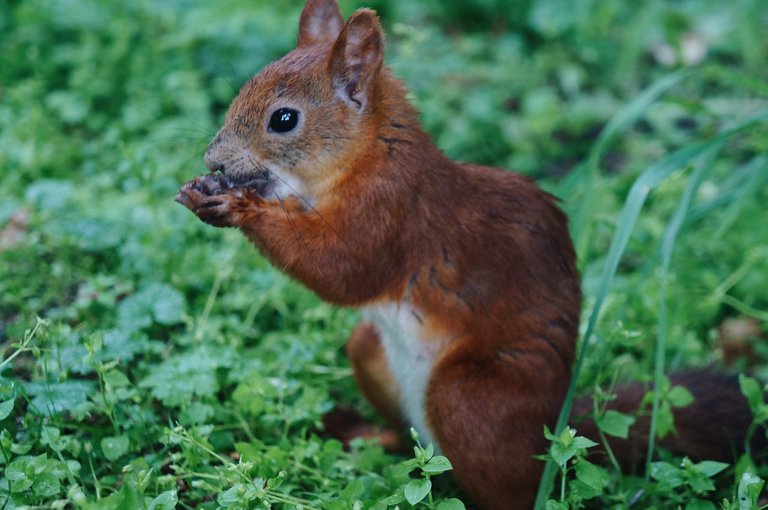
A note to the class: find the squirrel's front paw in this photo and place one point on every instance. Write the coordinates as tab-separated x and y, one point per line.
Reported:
213	199
211	184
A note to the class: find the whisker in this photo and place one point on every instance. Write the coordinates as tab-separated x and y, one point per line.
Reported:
296	233
307	202
188	162
239	166
231	81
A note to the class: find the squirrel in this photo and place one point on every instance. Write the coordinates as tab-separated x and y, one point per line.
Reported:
465	274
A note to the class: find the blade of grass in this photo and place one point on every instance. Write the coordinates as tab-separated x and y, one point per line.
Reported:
620	122
744	308
629	114
701	170
735	190
734	77
643	185
754	182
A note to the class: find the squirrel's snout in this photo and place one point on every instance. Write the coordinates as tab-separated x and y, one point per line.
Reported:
213	155
212	162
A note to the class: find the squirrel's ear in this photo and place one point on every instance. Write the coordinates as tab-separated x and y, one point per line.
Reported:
321	21
356	57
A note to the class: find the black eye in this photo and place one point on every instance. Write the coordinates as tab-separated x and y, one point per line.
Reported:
283	120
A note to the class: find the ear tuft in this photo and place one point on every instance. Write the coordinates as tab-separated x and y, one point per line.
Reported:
321	21
357	57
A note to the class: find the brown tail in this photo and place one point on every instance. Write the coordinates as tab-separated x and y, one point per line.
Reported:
713	427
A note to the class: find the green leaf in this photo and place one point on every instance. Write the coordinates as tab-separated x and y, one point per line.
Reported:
700	504
394	499
50	194
5	409
590	481
54	398
615	423
46	485
451	504
751	390
127	498
592	475
429	451
750	487
665	420
566	437
51	437
582	490
21	485
114	447
353	491
561	454
17	470
116	379
666	473
232	495
40	464
158	303
710	468
582	443
680	396
165	501
701	485
197	413
567	445
167	305
437	464
407	466
193	373
253	394
416	490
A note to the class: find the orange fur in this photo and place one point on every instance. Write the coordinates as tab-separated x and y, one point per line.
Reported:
477	261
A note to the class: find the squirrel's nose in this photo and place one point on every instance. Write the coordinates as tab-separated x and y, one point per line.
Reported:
213	163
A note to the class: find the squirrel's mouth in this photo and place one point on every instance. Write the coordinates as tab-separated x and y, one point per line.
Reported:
260	181
267	183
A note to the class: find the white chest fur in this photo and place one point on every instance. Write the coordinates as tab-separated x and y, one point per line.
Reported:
410	359
285	185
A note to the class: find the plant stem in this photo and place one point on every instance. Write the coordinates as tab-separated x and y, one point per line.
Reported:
28	337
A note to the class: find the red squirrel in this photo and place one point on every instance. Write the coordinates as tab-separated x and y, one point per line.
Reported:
465	274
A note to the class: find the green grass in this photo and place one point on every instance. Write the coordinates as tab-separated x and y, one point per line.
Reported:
173	366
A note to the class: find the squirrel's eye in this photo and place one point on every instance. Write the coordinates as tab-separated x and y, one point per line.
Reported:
283	120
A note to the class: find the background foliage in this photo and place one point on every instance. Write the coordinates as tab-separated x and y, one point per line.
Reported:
175	367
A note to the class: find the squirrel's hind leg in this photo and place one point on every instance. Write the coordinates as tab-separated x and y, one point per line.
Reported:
373	377
487	405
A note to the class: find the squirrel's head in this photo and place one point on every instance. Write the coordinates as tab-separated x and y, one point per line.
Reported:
295	125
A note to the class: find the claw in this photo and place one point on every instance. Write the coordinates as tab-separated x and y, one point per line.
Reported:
215	200
213	184
210	202
183	198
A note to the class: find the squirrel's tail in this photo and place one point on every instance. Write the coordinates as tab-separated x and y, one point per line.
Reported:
713	427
